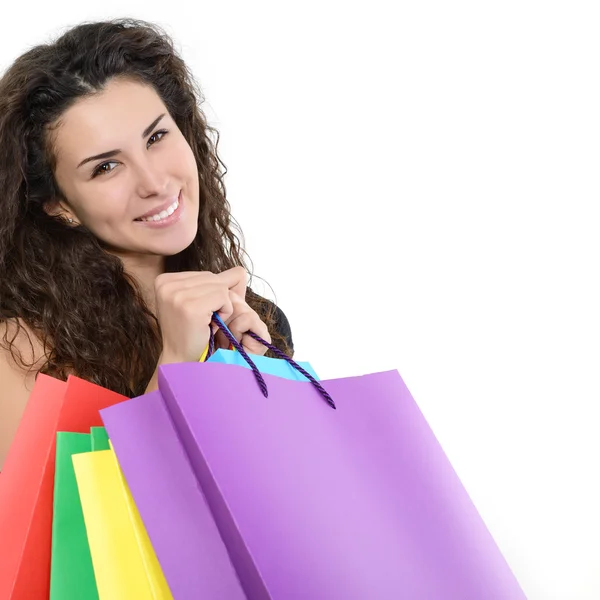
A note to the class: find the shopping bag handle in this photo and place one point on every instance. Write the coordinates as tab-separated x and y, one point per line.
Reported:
259	378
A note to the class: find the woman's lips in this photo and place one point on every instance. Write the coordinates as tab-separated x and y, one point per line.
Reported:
170	220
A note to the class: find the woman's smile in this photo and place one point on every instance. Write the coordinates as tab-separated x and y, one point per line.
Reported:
163	216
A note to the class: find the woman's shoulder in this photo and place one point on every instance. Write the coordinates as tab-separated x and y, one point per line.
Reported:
18	340
21	357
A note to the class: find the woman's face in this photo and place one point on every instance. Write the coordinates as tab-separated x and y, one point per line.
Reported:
141	196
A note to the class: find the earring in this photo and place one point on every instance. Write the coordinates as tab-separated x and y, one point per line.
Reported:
70	220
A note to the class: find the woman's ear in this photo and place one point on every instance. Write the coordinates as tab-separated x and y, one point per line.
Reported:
56	207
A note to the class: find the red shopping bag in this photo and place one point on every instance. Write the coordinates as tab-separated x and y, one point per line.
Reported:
27	485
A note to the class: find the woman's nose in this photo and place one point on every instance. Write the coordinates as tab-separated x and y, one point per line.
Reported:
151	180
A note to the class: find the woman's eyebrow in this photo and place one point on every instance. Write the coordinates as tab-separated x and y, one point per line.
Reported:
112	153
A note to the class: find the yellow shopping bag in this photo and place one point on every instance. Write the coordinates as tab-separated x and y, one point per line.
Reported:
124	561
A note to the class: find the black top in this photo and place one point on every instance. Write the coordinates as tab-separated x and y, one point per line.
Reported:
282	326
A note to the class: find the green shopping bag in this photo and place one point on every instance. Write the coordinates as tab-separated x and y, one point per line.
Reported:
71	571
99	439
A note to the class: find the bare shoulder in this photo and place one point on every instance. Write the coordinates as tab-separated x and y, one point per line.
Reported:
25	344
17	380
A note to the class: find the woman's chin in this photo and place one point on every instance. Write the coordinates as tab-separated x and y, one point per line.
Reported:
170	249
174	242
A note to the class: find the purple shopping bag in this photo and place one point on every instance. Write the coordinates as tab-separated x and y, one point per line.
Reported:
183	533
310	502
185	538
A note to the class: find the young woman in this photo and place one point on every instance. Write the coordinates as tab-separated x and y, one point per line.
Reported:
116	238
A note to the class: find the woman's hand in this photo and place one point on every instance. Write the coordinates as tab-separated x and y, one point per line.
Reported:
242	320
185	303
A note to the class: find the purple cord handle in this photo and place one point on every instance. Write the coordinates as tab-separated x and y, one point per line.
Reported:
259	378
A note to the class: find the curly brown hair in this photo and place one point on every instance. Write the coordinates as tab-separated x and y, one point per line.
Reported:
59	280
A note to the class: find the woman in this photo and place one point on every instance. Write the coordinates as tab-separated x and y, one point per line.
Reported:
116	238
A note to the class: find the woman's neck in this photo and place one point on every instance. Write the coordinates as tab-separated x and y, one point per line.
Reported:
145	270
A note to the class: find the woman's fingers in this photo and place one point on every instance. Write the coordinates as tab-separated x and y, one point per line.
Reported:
185	312
236	280
243	320
186	302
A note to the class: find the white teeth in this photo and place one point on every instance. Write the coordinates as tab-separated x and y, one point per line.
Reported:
163	214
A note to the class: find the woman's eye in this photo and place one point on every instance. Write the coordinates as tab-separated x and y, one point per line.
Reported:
100	170
162	133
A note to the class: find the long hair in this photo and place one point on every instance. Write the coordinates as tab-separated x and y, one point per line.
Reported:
59	280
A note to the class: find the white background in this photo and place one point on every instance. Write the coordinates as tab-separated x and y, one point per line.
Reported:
419	185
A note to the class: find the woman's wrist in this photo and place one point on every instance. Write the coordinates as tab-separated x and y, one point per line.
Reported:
153	383
165	358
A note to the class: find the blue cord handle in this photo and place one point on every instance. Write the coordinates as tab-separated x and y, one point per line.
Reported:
259	378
